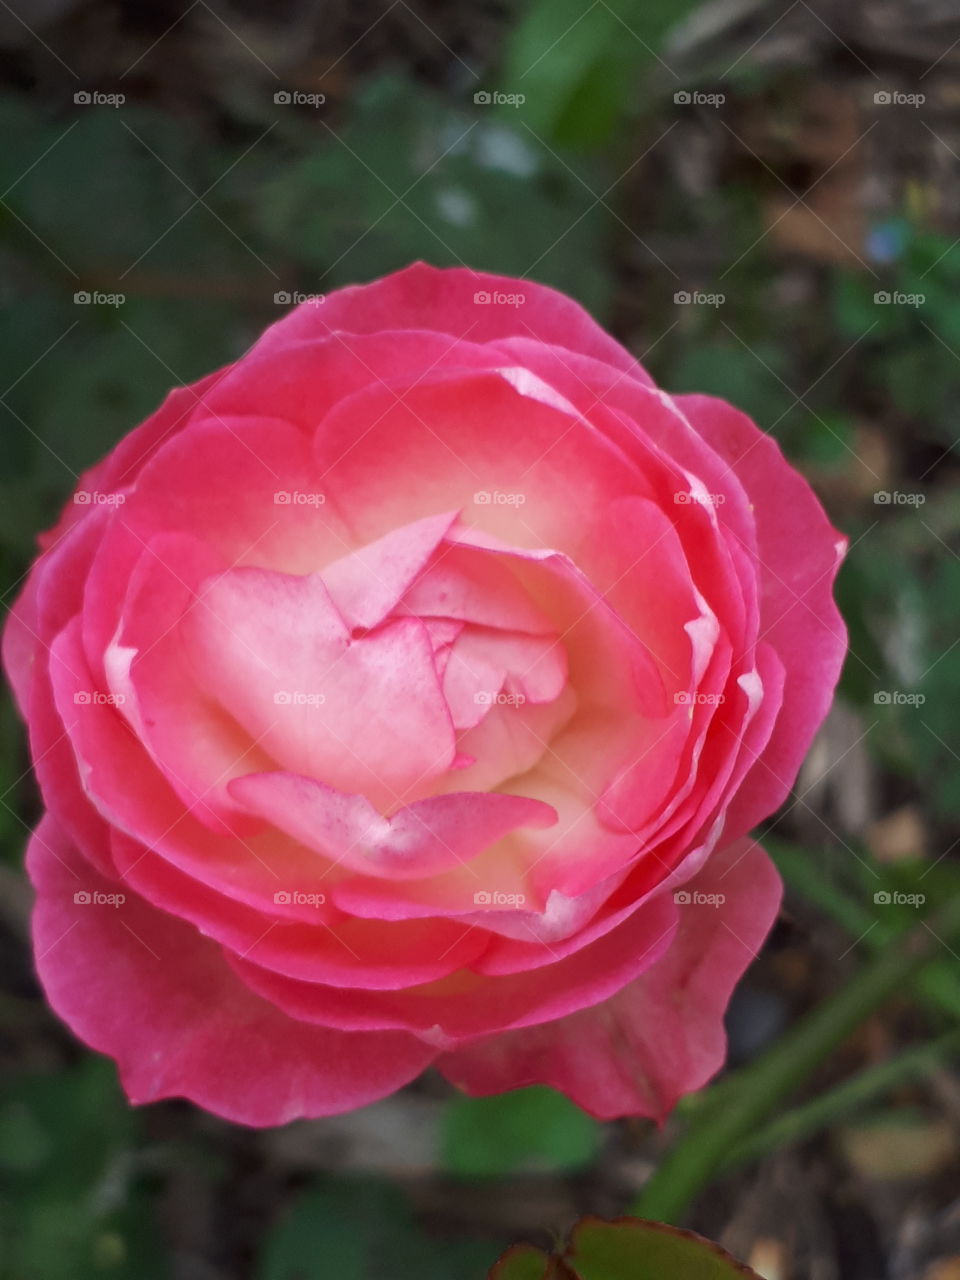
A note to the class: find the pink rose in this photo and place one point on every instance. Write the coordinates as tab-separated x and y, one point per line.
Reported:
404	694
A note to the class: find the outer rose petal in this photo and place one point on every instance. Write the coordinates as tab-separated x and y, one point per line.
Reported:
799	554
423	297
334	948
660	1037
467	1007
147	989
51	596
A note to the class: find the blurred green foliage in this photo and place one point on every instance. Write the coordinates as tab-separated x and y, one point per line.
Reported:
74	1206
583	69
490	1137
363	1230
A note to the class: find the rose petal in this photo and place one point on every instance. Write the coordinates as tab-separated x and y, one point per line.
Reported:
420	839
660	1037
147	989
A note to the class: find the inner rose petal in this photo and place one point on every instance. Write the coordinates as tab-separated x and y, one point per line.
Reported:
366	714
419	840
367	584
488	669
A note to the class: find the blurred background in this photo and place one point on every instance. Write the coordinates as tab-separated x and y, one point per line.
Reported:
762	201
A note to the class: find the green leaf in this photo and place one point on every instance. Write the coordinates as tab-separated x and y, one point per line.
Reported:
576	65
554	47
630	1249
624	1249
487	1137
522	1262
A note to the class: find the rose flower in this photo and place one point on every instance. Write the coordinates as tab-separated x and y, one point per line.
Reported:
404	694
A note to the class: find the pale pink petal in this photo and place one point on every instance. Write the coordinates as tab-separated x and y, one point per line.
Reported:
366	585
421	839
366	714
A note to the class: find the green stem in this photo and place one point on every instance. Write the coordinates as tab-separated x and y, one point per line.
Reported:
706	1145
804	1121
